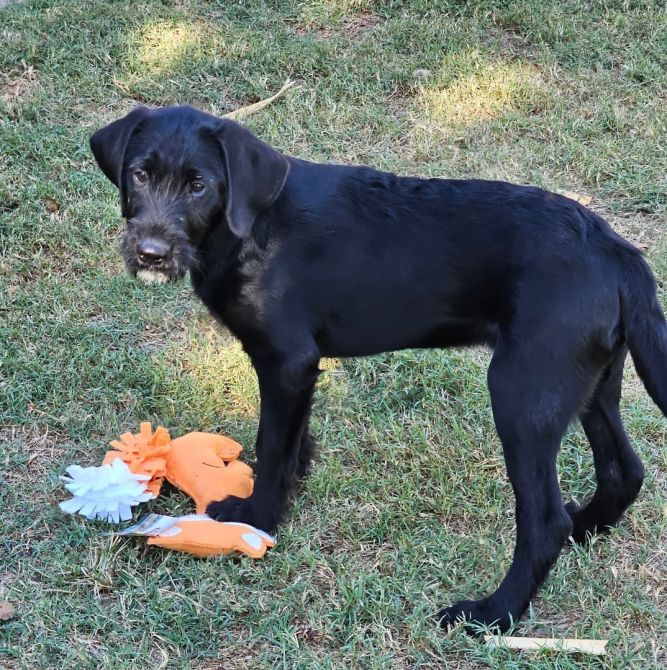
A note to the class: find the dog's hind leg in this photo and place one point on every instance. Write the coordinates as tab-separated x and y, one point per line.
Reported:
535	392
307	452
618	469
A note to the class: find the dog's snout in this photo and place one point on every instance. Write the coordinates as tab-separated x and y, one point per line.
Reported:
152	251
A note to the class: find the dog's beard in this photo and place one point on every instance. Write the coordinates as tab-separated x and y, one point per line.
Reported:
153	276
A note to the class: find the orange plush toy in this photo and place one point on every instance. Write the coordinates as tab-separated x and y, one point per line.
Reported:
203	465
206	467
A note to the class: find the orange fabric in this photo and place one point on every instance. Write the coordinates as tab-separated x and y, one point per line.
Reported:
204	466
213	538
144	453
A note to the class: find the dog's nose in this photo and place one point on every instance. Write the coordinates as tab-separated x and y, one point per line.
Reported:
152	251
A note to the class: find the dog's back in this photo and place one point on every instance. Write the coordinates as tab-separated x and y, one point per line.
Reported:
406	262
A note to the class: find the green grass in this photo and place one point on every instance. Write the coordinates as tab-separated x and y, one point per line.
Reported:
569	95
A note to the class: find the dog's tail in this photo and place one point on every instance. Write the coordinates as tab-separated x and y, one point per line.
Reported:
644	325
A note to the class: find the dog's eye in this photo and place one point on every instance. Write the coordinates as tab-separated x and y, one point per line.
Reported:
140	177
197	186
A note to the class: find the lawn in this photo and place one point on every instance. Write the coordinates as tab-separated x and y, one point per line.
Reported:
408	508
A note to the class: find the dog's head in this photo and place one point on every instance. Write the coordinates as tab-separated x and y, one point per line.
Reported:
181	173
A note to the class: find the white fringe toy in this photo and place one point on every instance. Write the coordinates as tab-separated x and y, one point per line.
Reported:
106	492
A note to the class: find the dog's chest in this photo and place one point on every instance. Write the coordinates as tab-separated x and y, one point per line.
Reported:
232	296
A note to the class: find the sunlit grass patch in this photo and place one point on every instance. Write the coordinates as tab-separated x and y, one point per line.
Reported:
221	372
181	60
163	47
473	91
163	44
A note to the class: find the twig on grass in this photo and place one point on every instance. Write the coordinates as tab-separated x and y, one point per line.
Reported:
596	647
248	110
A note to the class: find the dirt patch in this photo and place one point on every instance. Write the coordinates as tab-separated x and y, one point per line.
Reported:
515	47
356	27
237	655
353	28
645	231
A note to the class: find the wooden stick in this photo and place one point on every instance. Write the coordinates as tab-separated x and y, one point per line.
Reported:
246	111
596	647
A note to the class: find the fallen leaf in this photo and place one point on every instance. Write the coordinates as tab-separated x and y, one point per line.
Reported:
578	197
51	205
6	610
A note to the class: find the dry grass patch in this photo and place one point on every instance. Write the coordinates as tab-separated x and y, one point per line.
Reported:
40	450
17	84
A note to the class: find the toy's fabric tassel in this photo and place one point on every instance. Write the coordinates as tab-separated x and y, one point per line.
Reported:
144	452
106	492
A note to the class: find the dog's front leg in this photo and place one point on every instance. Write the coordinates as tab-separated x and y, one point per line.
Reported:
286	386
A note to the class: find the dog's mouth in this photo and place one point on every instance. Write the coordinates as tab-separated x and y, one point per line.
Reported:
163	274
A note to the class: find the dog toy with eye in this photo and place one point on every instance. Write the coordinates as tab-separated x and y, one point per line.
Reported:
203	465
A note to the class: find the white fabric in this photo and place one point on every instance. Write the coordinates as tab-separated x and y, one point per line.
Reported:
254	540
106	492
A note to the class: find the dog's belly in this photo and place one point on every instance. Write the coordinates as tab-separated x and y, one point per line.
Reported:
367	310
369	337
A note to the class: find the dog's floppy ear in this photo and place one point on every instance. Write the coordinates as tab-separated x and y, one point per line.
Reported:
108	144
256	174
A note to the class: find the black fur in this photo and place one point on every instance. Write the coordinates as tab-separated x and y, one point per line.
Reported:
301	260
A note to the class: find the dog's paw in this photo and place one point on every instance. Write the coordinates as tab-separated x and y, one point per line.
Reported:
474	615
239	510
578	533
232	509
583	527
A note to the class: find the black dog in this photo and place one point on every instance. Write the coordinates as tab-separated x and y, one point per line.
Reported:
301	260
